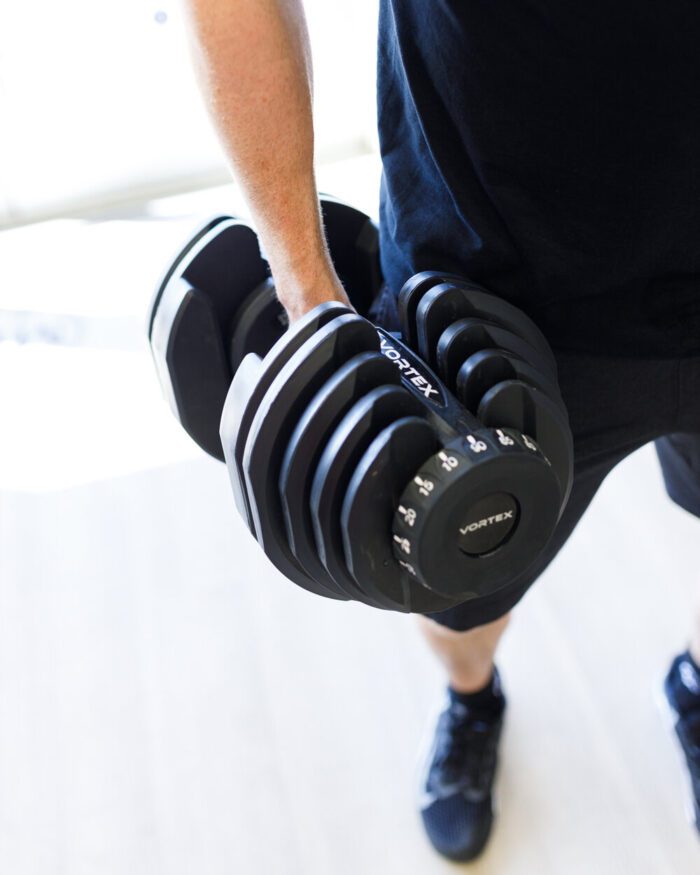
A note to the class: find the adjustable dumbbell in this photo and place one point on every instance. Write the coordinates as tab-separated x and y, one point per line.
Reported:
356	468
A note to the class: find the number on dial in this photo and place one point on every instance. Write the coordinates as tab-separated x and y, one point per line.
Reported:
408	514
425	486
404	544
504	439
476	446
529	443
449	463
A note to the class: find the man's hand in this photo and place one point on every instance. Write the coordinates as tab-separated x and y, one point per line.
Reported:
254	63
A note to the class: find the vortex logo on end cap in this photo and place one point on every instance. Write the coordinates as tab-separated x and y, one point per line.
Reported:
489	523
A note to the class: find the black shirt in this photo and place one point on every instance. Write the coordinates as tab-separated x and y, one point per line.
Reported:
549	150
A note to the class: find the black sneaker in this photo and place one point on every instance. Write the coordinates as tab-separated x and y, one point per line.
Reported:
682	690
456	804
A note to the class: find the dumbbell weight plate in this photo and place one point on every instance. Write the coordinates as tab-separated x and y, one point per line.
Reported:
367	514
250	383
490	307
513	404
280	409
485	368
445	303
355	432
467	336
351	382
353	241
410	297
193	305
202	230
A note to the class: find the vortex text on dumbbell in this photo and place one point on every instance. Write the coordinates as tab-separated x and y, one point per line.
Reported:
408	372
487	521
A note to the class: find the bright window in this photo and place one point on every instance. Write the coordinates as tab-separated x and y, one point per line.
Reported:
99	103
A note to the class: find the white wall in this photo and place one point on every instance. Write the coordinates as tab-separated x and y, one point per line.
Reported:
98	103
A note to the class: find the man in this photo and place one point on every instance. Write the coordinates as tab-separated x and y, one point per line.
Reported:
549	150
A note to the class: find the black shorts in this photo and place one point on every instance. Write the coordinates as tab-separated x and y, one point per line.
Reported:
616	405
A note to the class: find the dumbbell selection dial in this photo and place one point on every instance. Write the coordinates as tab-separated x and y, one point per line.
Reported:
481	506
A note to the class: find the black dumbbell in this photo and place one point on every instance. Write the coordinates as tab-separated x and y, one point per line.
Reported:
356	468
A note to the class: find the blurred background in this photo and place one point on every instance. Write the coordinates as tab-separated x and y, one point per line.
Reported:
168	703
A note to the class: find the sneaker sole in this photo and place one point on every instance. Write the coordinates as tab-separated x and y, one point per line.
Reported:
669	717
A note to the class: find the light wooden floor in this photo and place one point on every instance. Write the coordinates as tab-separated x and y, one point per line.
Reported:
168	705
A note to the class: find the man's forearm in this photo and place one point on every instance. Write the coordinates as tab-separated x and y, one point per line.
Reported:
254	63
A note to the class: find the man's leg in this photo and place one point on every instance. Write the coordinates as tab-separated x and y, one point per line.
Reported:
468	657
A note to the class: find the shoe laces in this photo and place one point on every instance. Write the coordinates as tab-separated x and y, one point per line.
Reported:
465	753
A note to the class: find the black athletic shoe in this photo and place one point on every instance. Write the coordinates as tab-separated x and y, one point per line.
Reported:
456	804
682	690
